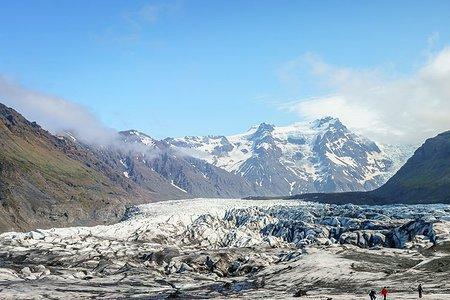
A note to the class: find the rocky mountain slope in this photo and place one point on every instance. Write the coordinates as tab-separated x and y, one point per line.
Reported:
321	156
267	161
48	181
425	178
192	176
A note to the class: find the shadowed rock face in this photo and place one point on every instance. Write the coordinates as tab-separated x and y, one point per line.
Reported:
425	178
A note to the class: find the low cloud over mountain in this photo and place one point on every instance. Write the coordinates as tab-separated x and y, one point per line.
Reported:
383	107
55	114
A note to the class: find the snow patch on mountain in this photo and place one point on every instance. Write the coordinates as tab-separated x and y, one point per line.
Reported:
176	186
135	136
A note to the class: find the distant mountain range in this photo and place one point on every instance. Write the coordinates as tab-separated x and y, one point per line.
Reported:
48	180
423	179
319	156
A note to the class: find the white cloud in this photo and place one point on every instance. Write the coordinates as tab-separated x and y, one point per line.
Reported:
59	115
391	109
55	114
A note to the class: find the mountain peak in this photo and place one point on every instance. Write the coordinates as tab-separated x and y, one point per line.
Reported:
326	122
133	132
265	127
14	121
10	116
137	136
263	130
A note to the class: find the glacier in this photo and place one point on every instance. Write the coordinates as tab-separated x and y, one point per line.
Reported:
233	248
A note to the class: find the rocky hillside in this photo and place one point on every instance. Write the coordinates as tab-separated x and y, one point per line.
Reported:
425	178
48	181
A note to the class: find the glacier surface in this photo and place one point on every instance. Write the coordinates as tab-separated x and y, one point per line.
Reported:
230	248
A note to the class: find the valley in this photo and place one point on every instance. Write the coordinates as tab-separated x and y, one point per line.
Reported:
52	180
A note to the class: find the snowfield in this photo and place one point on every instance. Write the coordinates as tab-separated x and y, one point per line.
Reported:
230	248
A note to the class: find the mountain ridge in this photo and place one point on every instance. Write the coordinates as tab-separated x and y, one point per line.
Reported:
423	179
320	156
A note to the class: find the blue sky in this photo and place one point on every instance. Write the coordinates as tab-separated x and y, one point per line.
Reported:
174	68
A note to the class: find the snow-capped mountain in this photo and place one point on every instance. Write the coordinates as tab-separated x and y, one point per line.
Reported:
318	156
134	136
190	176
